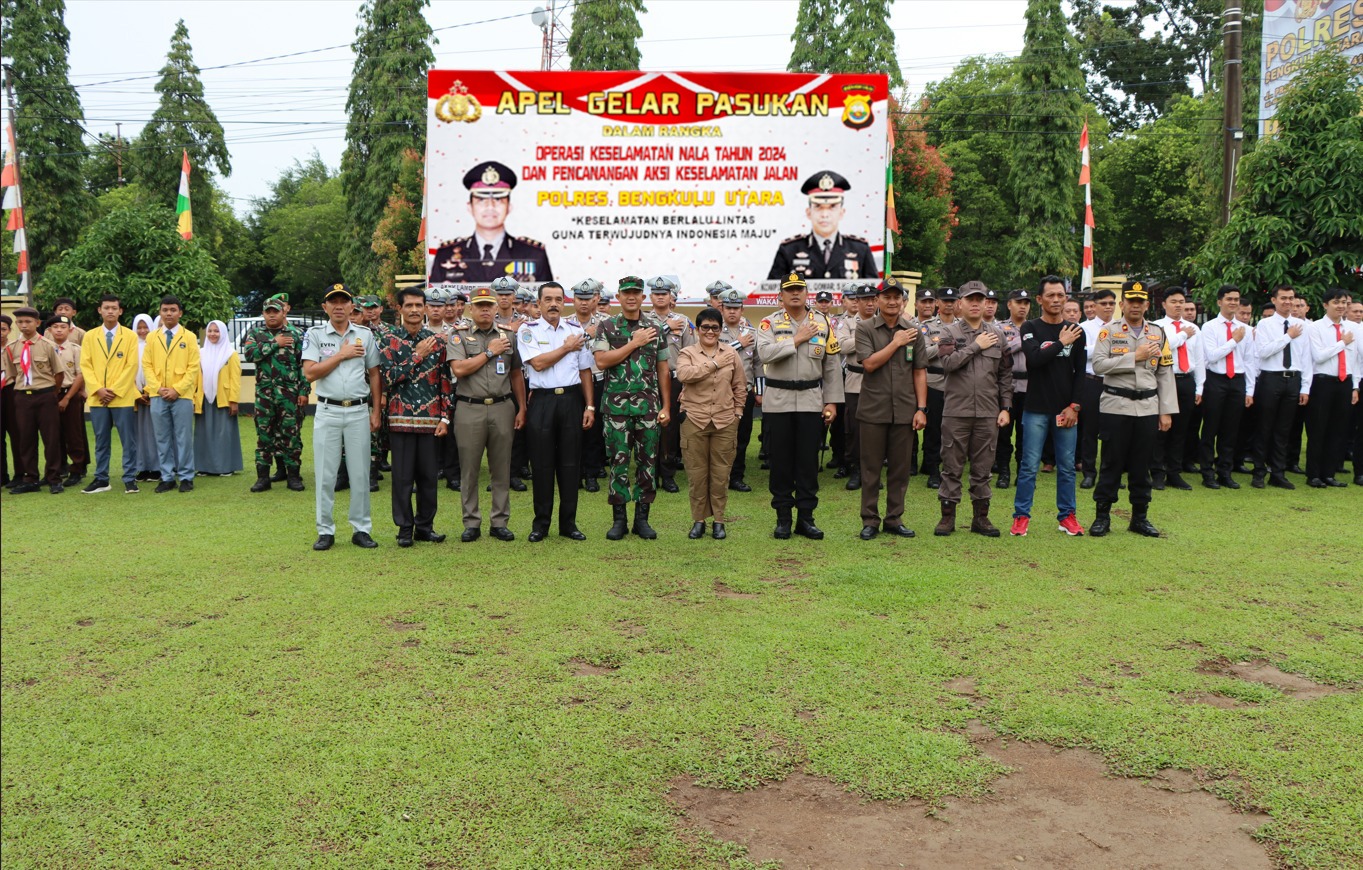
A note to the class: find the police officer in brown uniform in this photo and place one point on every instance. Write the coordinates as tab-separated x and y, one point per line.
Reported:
1139	397
978	395
939	305
34	367
894	398
847	449
742	337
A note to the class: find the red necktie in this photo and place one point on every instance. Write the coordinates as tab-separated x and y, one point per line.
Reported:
1230	357
1343	369
26	361
1182	349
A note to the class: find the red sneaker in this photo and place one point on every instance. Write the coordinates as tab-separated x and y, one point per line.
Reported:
1019	529
1070	526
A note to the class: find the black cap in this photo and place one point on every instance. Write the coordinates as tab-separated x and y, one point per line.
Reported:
946	294
337	290
490	180
823	296
990	294
928	294
1020	294
826	186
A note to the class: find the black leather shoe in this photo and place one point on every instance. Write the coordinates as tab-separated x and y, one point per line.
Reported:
934	480
404	537
324	542
841	473
572	535
901	531
590	484
1257	481
1358	480
739	486
502	533
782	530
33	487
717	531
1177	482
1280	481
1005	479
833	463
517	484
1316	483
471	534
452	484
1242	469
1157	480
429	537
1210	483
58	489
384	466
1331	481
73	479
669	484
1295	469
362	539
535	536
163	486
1229	482
1142	526
697	531
869	533
186	486
854	480
805	528
1088	481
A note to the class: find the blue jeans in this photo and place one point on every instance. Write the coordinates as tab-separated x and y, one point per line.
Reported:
104	421
174	426
1035	429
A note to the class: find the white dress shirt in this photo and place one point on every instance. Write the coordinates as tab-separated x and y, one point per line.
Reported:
537	337
1091	327
1197	367
1217	349
1271	339
1326	348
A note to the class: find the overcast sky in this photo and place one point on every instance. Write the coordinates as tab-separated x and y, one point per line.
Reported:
277	110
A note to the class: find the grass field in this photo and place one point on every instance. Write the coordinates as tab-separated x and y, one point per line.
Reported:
186	683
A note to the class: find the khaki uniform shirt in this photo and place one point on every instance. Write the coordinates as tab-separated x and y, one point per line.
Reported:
845	328
1114	359
70	357
493	380
684	336
888	394
932	331
818	360
713	390
589	329
979	383
752	366
44	363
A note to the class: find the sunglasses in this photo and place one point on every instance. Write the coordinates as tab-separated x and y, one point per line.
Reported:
708	327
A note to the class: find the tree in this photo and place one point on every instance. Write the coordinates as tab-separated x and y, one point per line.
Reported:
844	36
101	169
922	199
387	116
1045	166
395	239
605	35
136	253
183	121
47	128
234	249
301	235
1299	215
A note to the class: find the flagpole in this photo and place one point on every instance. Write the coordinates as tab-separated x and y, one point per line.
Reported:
14	198
1086	281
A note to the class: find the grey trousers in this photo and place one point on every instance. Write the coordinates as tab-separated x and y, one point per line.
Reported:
490	427
332	428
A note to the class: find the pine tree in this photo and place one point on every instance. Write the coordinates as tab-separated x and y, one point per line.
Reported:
47	127
183	122
844	36
605	35
1045	165
815	37
387	116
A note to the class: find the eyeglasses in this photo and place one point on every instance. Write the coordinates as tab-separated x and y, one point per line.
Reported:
708	327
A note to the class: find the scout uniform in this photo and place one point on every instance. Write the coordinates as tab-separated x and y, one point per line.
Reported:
108	360
35	369
341	422
840	256
631	397
1135	396
417	399
680	333
485	419
75	443
752	372
979	384
932	435
476	260
593	459
171	359
279	385
800	381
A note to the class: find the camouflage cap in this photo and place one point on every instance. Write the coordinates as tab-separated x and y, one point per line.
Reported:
631	284
505	285
368	301
276	302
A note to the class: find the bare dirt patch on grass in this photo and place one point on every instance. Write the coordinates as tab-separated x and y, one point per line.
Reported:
584	668
723	591
1262	671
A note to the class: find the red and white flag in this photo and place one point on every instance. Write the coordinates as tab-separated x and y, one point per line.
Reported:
14	204
1087	278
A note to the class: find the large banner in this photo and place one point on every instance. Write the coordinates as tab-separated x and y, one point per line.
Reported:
741	177
1293	29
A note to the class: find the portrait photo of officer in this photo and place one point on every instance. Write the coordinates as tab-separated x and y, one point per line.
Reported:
824	252
491	252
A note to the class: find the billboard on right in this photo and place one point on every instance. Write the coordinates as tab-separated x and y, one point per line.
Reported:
1293	30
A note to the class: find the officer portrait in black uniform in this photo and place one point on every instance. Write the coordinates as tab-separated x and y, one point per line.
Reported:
824	252
491	252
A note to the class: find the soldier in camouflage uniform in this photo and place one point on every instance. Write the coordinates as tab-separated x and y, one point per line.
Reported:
633	354
276	347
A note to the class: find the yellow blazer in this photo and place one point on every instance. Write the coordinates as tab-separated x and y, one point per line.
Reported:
114	369
176	367
229	385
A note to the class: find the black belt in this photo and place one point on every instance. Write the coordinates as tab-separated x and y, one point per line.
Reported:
37	392
1093	377
1285	373
1227	377
1183	374
936	370
344	403
557	391
490	400
793	385
856	369
1131	394
1019	376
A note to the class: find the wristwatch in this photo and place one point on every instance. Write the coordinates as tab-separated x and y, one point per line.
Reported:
445	420
489	353
922	410
591	408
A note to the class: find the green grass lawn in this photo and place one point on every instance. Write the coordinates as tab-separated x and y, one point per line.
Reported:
185	682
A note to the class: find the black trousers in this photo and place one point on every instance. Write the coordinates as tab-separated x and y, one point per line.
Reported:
669	440
932	436
1276	398
1357	447
793	441
593	453
1327	425
1223	404
415	462
553	427
851	429
1003	454
1169	446
1294	435
1128	447
1090	422
519	452
448	448
9	436
36	415
740	465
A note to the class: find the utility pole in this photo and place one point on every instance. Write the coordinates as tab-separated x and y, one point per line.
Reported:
1233	87
118	151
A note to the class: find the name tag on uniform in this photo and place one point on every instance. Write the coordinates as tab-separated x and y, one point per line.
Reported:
501	366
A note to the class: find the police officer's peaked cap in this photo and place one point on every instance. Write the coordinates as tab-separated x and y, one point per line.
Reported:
662	284
732	298
793	281
524	295
435	297
490	180
717	288
631	284
587	288
457	296
972	288
826	186
505	285
481	295
1134	290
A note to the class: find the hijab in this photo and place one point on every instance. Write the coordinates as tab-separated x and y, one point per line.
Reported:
141	377
213	356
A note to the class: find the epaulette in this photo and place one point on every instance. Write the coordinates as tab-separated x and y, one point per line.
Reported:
531	242
855	238
795	238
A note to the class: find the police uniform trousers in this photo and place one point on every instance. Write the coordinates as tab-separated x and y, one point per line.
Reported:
593	441
740	466
848	452
1128	447
1276	397
416	464
553	426
793	439
479	427
973	438
1090	423
520	452
35	414
932	435
881	441
1223	404
1170	446
448	449
1327	425
75	443
335	428
1003	457
669	445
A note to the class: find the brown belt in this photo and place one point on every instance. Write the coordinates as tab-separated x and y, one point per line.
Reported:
490	400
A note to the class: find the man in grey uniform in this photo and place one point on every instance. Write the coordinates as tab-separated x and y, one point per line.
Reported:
341	361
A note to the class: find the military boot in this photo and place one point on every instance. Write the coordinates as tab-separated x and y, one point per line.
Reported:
980	524
641	526
262	479
947	524
1102	522
620	527
295	480
280	475
1140	523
